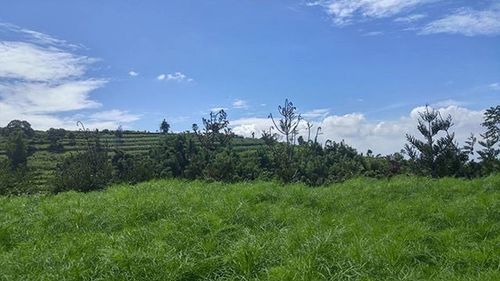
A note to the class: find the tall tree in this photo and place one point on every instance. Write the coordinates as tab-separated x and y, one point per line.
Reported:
164	127
434	154
491	139
288	123
16	150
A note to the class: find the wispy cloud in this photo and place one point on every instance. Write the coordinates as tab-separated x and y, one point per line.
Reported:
239	103
42	77
217	109
177	77
463	19
345	12
133	73
494	86
316	113
374	33
410	18
448	102
468	22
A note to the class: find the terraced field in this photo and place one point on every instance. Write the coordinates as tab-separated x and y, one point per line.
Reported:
43	162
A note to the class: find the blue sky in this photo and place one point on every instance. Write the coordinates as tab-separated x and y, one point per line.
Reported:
360	69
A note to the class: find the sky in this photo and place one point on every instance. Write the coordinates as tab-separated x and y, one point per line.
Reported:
360	69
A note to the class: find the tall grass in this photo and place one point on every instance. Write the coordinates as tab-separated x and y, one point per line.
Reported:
398	229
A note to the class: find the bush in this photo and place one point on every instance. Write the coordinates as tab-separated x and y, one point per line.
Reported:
131	169
84	171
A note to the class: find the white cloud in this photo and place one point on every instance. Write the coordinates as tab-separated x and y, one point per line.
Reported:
177	77
133	73
42	77
410	18
464	20
247	126
381	136
448	102
374	33
27	61
241	104
27	35
345	11
494	86
467	22
217	109
114	115
316	113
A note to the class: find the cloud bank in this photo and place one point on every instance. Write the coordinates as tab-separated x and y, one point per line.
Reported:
362	133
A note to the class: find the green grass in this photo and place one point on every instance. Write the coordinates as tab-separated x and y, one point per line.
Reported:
398	229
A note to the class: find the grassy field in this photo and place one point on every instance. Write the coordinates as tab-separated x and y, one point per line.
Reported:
398	229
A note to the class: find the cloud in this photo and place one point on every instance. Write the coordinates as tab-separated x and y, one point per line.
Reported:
373	33
467	22
383	137
345	12
113	115
26	61
27	35
217	109
133	73
316	113
410	18
494	86
240	104
464	20
44	81
448	102
177	77
247	126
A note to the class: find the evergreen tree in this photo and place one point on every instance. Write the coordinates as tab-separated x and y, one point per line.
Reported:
491	140
164	127
438	154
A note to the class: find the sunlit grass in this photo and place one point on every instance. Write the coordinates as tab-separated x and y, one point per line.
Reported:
398	229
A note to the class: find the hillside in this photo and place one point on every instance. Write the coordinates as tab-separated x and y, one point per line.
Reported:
43	162
397	229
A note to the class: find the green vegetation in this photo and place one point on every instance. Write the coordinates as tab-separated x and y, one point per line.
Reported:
58	160
363	229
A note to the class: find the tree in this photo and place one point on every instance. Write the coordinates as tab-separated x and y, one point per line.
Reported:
16	126
71	139
491	140
289	122
164	127
287	126
119	136
438	154
86	170
16	150
55	137
215	133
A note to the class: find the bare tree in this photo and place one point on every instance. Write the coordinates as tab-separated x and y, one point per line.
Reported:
289	121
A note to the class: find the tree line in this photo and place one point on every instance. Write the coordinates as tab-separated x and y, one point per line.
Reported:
207	153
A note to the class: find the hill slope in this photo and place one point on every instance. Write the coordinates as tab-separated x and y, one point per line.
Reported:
43	162
401	229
